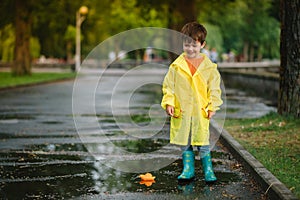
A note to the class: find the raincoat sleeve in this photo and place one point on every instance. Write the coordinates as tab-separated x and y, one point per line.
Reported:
168	89
214	91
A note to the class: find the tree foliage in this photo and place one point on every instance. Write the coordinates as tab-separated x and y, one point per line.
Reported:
236	24
7	46
248	27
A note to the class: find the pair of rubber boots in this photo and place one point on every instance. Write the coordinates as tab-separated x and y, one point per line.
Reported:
188	172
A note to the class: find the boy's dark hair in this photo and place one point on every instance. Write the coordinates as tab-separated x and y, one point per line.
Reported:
195	31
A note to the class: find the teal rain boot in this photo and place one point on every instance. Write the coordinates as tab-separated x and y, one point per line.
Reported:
188	159
207	168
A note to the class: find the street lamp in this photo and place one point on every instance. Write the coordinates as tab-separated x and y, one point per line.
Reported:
80	17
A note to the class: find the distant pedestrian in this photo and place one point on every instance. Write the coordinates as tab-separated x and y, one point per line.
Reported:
206	51
112	56
231	56
214	55
191	96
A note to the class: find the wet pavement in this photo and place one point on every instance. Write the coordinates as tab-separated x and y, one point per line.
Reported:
43	155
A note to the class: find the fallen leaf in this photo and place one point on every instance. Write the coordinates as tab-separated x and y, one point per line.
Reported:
147	177
147	183
281	124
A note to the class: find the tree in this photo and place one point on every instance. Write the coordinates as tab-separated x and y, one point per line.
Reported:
69	37
23	20
228	16
51	20
289	86
180	13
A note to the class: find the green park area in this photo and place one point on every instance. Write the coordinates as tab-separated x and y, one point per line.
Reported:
7	80
274	141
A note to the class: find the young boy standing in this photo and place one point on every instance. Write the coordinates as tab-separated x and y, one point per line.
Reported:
191	96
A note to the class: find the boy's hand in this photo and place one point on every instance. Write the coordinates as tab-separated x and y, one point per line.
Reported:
170	110
210	114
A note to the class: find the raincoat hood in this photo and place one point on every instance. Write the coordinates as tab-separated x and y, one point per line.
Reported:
205	65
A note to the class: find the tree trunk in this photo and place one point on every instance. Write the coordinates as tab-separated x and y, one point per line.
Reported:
245	51
259	54
69	46
180	13
251	54
22	59
289	87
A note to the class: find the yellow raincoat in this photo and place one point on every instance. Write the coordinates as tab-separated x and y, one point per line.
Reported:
192	97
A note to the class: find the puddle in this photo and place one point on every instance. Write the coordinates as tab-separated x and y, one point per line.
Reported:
67	180
18	116
36	156
134	118
24	135
52	122
107	120
142	145
6	136
59	187
56	147
166	181
9	121
135	146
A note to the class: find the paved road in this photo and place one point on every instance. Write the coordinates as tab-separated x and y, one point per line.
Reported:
120	132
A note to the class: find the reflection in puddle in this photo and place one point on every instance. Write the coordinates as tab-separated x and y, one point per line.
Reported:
142	145
37	175
57	147
12	116
52	122
91	177
165	182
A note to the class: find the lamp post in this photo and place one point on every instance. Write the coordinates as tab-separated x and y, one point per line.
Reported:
80	17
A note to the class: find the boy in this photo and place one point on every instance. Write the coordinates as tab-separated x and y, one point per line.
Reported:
191	96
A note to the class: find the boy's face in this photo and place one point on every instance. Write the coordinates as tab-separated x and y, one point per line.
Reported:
192	48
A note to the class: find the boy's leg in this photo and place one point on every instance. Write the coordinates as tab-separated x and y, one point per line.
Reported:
188	159
207	164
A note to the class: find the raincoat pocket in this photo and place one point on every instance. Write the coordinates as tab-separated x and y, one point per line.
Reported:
204	110
176	123
177	112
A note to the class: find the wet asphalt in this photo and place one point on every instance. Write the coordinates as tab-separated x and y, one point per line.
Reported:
91	138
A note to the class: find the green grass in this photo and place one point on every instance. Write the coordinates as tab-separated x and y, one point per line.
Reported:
275	141
8	80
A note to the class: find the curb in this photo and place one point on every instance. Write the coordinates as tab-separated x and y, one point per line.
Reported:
274	188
